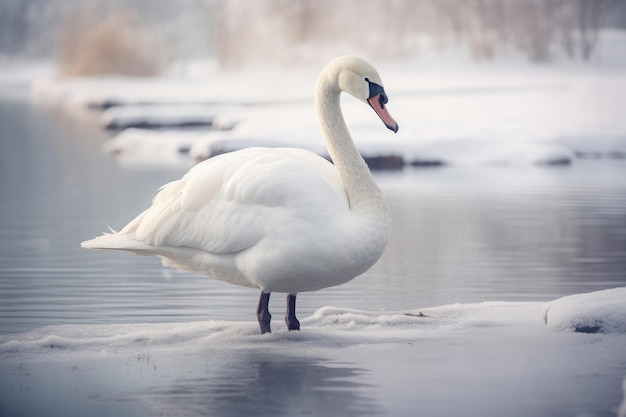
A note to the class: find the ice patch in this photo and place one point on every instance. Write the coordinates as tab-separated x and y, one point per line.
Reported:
328	327
597	312
603	311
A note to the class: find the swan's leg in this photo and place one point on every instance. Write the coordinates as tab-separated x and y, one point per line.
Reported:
290	317
263	313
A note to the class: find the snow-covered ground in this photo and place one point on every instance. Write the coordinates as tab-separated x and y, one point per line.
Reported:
449	111
486	359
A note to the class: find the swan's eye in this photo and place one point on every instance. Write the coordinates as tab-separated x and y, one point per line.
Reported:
377	90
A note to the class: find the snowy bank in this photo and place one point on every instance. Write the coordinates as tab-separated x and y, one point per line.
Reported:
158	116
596	312
504	113
142	148
509	128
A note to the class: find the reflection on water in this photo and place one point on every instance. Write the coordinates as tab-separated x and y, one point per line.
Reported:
460	235
259	384
246	383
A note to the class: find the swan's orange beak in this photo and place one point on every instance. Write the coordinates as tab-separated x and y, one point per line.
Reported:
378	102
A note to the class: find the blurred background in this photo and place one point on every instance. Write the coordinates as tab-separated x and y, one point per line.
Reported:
145	37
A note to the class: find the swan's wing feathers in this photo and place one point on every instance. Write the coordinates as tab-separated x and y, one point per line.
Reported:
231	202
189	213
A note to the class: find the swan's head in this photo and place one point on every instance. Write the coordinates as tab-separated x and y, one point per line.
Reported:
360	79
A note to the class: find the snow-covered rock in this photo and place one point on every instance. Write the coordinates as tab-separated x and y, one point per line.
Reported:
596	312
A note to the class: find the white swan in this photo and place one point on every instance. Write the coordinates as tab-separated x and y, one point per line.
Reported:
283	220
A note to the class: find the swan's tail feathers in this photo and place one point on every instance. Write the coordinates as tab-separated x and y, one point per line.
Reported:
116	241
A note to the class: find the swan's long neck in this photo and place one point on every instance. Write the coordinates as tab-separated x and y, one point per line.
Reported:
364	195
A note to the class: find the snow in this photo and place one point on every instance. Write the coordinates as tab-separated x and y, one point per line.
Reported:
460	120
598	312
336	327
17	76
327	327
237	87
143	148
493	358
158	116
450	112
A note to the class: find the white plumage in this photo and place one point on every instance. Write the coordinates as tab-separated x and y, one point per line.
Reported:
278	219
